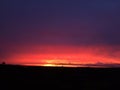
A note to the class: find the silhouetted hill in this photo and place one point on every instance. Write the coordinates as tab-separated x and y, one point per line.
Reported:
59	77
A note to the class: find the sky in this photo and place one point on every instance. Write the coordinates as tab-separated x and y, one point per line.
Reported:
59	31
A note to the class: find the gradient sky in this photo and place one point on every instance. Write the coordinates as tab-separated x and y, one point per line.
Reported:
59	31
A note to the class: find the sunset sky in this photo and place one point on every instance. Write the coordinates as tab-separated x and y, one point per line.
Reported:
59	31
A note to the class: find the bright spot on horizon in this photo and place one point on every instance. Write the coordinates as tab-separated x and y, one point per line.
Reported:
49	65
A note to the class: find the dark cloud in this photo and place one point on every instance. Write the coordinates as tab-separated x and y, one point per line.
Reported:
104	65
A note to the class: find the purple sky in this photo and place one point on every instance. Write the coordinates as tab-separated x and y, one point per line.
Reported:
73	23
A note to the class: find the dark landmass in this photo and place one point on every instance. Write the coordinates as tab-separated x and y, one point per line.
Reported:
31	77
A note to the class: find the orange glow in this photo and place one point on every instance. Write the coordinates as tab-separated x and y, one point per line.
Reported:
54	55
49	65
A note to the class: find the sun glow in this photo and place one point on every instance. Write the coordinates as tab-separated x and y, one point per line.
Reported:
53	62
49	65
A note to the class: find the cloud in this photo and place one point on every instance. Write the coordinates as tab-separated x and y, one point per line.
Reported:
104	65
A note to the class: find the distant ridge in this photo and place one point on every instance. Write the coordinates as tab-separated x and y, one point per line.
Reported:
97	65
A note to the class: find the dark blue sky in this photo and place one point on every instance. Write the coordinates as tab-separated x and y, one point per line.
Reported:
59	22
77	21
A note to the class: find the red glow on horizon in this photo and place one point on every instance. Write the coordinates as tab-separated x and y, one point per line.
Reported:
63	54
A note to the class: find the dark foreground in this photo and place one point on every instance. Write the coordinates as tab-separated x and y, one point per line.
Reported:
21	77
